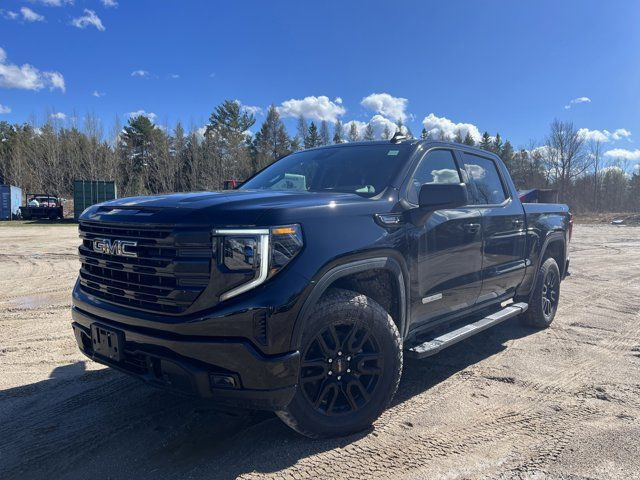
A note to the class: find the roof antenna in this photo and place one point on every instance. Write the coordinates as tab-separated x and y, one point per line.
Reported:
398	137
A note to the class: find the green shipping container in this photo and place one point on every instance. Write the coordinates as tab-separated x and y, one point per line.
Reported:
90	192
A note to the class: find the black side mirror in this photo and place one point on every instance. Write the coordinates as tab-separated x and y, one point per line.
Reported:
436	196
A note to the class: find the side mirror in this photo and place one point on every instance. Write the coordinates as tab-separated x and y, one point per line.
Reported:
436	196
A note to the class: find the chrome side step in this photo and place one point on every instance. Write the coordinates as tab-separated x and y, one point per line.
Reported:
433	346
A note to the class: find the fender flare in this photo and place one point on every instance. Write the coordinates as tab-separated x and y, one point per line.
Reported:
356	266
551	237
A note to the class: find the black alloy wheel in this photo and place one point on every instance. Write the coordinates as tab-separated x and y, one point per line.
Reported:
341	369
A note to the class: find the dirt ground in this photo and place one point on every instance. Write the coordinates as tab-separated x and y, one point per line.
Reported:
509	403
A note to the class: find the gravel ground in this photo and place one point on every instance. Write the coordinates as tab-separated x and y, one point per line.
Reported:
511	402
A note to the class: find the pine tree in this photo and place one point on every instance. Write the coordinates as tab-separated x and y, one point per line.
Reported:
325	137
136	142
369	134
468	140
507	154
302	130
458	138
272	141
386	133
313	137
496	145
337	135
485	143
295	144
424	135
353	132
227	140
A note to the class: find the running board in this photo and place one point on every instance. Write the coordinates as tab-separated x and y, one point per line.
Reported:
433	346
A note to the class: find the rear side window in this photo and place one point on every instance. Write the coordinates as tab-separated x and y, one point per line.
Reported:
483	176
438	166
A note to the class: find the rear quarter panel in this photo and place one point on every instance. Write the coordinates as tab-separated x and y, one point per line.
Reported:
545	222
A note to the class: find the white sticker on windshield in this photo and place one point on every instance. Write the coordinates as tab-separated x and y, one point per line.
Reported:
393	153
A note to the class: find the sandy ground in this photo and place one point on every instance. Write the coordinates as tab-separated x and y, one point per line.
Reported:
510	403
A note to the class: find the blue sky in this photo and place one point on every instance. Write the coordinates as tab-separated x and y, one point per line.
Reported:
505	66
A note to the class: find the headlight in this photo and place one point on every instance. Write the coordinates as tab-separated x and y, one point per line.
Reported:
263	251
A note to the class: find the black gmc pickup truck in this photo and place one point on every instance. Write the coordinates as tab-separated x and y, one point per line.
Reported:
301	290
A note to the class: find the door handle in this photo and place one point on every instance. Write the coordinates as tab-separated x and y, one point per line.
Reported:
472	227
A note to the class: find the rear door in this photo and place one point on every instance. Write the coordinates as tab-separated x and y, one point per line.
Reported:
503	226
446	251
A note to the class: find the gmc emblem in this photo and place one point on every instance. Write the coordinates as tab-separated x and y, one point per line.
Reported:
114	247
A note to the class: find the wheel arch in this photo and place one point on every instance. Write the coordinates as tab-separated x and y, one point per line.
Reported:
554	246
346	275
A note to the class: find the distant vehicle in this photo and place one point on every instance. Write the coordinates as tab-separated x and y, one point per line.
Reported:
42	205
230	184
301	290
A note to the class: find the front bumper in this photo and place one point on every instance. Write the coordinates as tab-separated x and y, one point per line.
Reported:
198	365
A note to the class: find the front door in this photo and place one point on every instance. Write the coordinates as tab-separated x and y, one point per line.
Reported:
446	250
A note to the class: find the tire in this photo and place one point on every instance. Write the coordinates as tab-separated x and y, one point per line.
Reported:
543	303
351	363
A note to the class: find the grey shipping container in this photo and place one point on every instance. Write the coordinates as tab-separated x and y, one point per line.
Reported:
10	200
90	192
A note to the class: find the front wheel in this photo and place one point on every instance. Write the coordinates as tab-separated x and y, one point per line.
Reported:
351	362
543	304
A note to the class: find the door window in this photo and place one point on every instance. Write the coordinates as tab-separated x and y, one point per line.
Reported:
482	173
438	166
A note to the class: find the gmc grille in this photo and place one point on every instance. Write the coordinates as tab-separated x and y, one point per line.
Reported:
171	268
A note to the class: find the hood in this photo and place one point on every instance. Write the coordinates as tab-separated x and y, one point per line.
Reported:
224	208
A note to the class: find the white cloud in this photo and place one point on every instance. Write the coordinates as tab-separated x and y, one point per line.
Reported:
604	135
4	109
54	3
623	154
150	115
338	100
139	73
435	126
174	75
252	109
387	105
98	94
314	108
30	16
58	116
377	122
576	101
9	14
360	127
88	19
55	79
109	3
27	77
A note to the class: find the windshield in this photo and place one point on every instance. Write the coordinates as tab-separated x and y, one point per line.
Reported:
363	169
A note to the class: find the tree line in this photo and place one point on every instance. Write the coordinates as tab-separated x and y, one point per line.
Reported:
145	158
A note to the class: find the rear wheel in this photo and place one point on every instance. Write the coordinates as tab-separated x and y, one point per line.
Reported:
546	296
351	361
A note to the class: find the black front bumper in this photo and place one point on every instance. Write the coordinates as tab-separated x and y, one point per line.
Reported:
226	370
